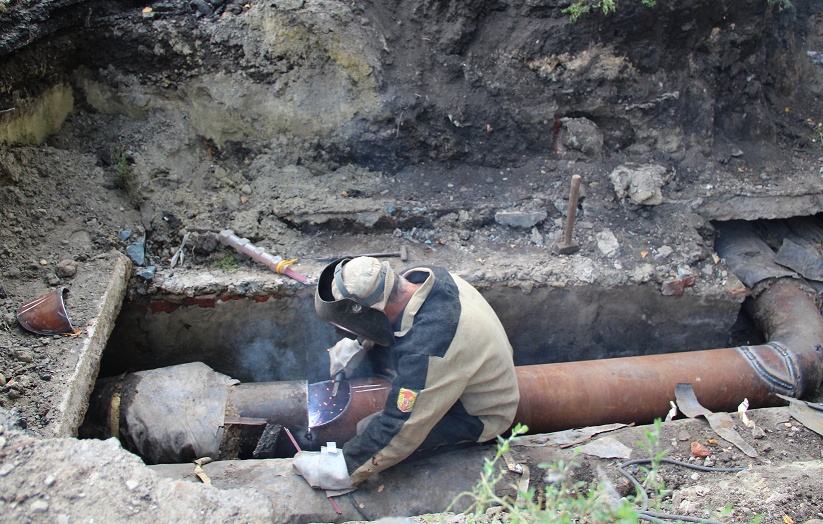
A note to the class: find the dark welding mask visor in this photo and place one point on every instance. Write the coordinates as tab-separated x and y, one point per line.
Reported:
348	315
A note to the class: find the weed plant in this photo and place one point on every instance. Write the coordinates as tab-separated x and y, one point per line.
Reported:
563	500
125	177
566	501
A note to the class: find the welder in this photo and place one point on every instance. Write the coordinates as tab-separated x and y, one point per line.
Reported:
453	376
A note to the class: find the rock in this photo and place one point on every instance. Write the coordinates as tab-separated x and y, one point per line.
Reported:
137	252
699	450
677	286
641	184
581	134
203	7
207	243
39	506
147	273
643	273
524	219
23	355
536	238
607	243
664	252
66	268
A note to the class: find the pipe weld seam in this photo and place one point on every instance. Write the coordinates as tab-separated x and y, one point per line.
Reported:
788	387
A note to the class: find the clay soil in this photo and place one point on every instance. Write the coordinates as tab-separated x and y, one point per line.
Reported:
67	216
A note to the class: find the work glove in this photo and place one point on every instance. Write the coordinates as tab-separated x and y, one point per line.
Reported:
345	356
325	469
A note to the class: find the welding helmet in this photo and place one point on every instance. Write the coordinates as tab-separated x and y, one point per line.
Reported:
354	313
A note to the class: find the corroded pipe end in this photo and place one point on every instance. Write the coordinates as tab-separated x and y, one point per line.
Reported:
333	423
46	315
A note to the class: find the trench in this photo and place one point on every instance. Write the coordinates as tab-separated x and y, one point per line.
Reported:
255	338
280	340
591	356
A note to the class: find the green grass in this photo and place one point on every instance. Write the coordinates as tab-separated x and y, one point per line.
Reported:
580	8
226	262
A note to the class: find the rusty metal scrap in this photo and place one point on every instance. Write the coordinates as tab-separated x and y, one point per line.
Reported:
46	315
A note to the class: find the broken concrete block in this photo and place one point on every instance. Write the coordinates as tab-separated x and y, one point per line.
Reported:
641	184
525	219
607	243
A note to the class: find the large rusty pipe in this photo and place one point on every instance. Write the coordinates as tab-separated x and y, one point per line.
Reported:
638	389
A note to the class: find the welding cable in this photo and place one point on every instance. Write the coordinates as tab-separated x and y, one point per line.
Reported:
653	516
358	508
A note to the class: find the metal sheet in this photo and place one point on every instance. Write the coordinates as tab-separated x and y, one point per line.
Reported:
721	423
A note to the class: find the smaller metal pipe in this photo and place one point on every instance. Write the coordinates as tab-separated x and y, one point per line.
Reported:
285	403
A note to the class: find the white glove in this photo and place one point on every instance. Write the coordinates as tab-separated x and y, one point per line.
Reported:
324	470
346	355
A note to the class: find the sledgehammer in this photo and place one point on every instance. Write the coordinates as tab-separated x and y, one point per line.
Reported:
567	247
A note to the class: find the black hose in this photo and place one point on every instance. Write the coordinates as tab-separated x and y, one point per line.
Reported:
358	508
653	516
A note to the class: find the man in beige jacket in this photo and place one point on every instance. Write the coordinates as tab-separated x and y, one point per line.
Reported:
454	373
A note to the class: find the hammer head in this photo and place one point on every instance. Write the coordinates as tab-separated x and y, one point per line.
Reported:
566	249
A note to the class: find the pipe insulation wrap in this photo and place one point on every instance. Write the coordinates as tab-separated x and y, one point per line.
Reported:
173	414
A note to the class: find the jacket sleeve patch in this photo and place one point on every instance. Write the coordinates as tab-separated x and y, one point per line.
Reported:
405	399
